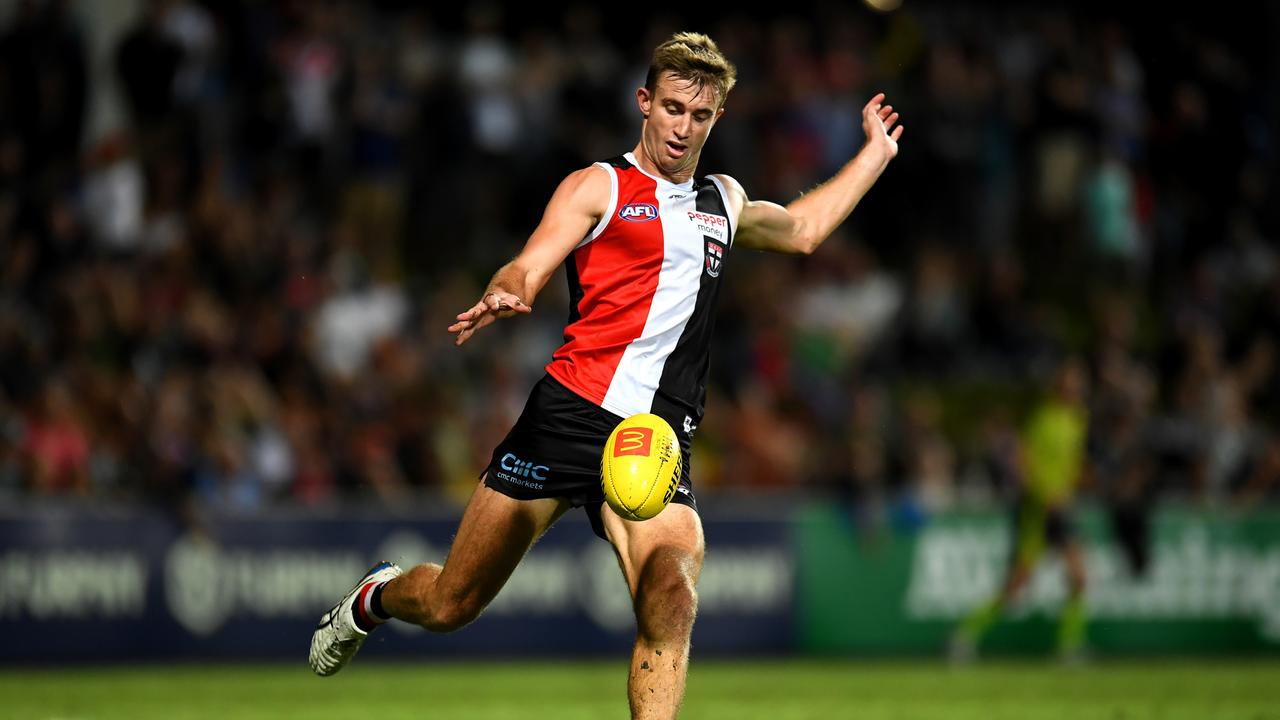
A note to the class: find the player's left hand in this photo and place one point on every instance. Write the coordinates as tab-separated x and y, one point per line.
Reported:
878	122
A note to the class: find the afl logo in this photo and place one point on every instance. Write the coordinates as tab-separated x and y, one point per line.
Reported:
638	212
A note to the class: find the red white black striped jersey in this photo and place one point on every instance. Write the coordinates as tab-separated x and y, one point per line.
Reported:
642	291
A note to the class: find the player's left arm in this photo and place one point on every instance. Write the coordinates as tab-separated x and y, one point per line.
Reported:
804	224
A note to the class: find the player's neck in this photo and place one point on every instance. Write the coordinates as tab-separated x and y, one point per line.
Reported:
650	167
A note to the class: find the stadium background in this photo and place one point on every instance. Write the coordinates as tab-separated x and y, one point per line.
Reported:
232	235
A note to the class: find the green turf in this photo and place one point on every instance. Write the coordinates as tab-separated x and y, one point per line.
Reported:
717	690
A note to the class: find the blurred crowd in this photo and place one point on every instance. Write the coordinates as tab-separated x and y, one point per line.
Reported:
235	295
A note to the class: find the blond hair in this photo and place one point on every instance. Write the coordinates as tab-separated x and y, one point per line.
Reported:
696	58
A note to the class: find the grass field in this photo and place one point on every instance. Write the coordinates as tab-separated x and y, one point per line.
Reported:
717	690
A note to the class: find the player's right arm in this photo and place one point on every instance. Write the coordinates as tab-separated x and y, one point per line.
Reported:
574	209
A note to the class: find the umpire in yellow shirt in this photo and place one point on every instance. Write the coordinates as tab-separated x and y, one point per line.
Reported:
1053	465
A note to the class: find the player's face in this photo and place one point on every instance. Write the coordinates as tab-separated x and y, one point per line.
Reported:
678	118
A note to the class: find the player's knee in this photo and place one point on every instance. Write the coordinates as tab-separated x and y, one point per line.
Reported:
453	614
669	606
666	603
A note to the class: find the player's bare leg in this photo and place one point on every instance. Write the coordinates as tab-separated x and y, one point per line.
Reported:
1071	627
962	646
661	559
495	533
1017	579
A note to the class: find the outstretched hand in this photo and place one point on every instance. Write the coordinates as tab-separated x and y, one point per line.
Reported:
878	122
495	304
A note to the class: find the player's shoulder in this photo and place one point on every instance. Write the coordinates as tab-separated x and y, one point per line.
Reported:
585	190
729	182
736	195
588	181
593	174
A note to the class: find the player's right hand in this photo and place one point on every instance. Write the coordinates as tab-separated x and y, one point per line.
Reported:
495	304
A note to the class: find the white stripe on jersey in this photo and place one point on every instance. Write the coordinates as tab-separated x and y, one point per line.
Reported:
636	379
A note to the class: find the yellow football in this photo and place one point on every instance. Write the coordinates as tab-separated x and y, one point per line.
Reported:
640	468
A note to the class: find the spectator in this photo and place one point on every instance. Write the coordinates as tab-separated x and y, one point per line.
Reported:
302	192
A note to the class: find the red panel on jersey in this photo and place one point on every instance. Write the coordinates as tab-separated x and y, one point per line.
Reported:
618	274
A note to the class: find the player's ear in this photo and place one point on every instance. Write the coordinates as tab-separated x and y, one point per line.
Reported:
644	99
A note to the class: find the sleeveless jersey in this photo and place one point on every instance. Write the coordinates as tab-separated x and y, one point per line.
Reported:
642	291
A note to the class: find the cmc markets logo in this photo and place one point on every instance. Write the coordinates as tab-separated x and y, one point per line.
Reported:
633	441
638	212
524	468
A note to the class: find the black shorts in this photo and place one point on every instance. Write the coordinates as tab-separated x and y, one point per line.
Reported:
554	450
1037	528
